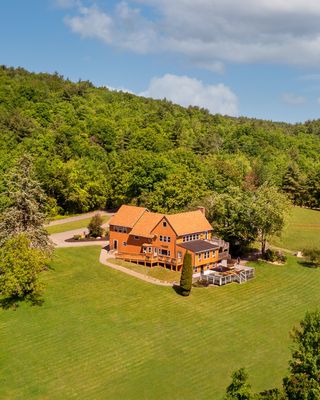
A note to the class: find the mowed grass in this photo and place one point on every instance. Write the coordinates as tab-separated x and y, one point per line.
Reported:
104	335
155	272
302	230
69	226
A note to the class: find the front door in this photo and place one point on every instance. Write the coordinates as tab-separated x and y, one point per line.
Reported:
155	252
115	244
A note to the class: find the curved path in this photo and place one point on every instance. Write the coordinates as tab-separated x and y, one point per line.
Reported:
104	256
59	240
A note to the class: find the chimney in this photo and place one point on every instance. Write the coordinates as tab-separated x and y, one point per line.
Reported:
202	209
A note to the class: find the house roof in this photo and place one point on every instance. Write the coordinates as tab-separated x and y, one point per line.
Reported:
127	216
145	224
196	246
189	222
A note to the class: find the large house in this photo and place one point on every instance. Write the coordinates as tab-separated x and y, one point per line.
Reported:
138	235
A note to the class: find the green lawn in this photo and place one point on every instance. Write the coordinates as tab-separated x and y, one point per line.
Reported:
69	226
302	230
156	272
104	335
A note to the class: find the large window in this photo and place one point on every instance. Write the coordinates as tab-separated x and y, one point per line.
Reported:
189	238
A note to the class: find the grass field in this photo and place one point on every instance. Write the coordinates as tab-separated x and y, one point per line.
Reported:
69	226
104	335
156	272
302	230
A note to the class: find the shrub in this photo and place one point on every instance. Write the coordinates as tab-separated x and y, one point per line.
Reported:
313	255
95	226
274	256
76	237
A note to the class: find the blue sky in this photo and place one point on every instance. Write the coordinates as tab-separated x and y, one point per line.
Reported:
256	58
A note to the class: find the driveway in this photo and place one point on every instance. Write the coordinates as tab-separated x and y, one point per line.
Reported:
79	217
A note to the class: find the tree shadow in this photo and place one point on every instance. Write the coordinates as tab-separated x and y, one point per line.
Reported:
308	264
181	292
13	302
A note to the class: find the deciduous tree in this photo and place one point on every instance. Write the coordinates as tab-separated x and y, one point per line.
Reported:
270	208
20	267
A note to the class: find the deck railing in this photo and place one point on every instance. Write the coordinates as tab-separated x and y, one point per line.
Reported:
148	258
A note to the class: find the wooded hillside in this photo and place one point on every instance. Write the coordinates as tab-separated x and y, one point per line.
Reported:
93	147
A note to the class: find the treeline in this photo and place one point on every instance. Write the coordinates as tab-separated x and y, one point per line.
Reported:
93	147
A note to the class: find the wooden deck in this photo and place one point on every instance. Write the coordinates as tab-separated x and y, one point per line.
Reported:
151	260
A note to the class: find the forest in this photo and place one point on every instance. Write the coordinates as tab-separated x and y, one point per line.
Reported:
96	148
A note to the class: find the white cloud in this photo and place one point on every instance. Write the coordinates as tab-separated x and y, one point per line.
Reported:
210	32
91	23
293	99
126	28
187	91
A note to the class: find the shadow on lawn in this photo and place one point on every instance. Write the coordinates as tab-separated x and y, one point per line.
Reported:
181	292
308	264
13	302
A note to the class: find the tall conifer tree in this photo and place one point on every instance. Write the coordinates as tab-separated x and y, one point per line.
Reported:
26	211
186	275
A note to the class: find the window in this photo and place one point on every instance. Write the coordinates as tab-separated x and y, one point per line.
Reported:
164	252
136	238
199	256
120	229
165	239
189	238
164	224
206	255
179	254
149	249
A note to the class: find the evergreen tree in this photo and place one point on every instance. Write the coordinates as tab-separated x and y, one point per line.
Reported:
186	275
239	388
25	212
303	383
20	266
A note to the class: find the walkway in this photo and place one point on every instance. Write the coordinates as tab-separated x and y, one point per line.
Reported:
104	256
59	239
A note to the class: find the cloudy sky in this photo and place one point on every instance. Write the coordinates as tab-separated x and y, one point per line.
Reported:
257	58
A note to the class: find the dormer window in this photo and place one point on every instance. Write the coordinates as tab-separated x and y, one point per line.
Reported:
164	224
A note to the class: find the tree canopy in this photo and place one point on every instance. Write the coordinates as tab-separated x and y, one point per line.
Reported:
94	148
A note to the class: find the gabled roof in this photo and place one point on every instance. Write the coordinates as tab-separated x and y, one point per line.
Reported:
143	222
146	223
189	222
127	216
196	246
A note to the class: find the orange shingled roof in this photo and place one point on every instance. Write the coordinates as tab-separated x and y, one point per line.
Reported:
189	222
145	224
127	216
